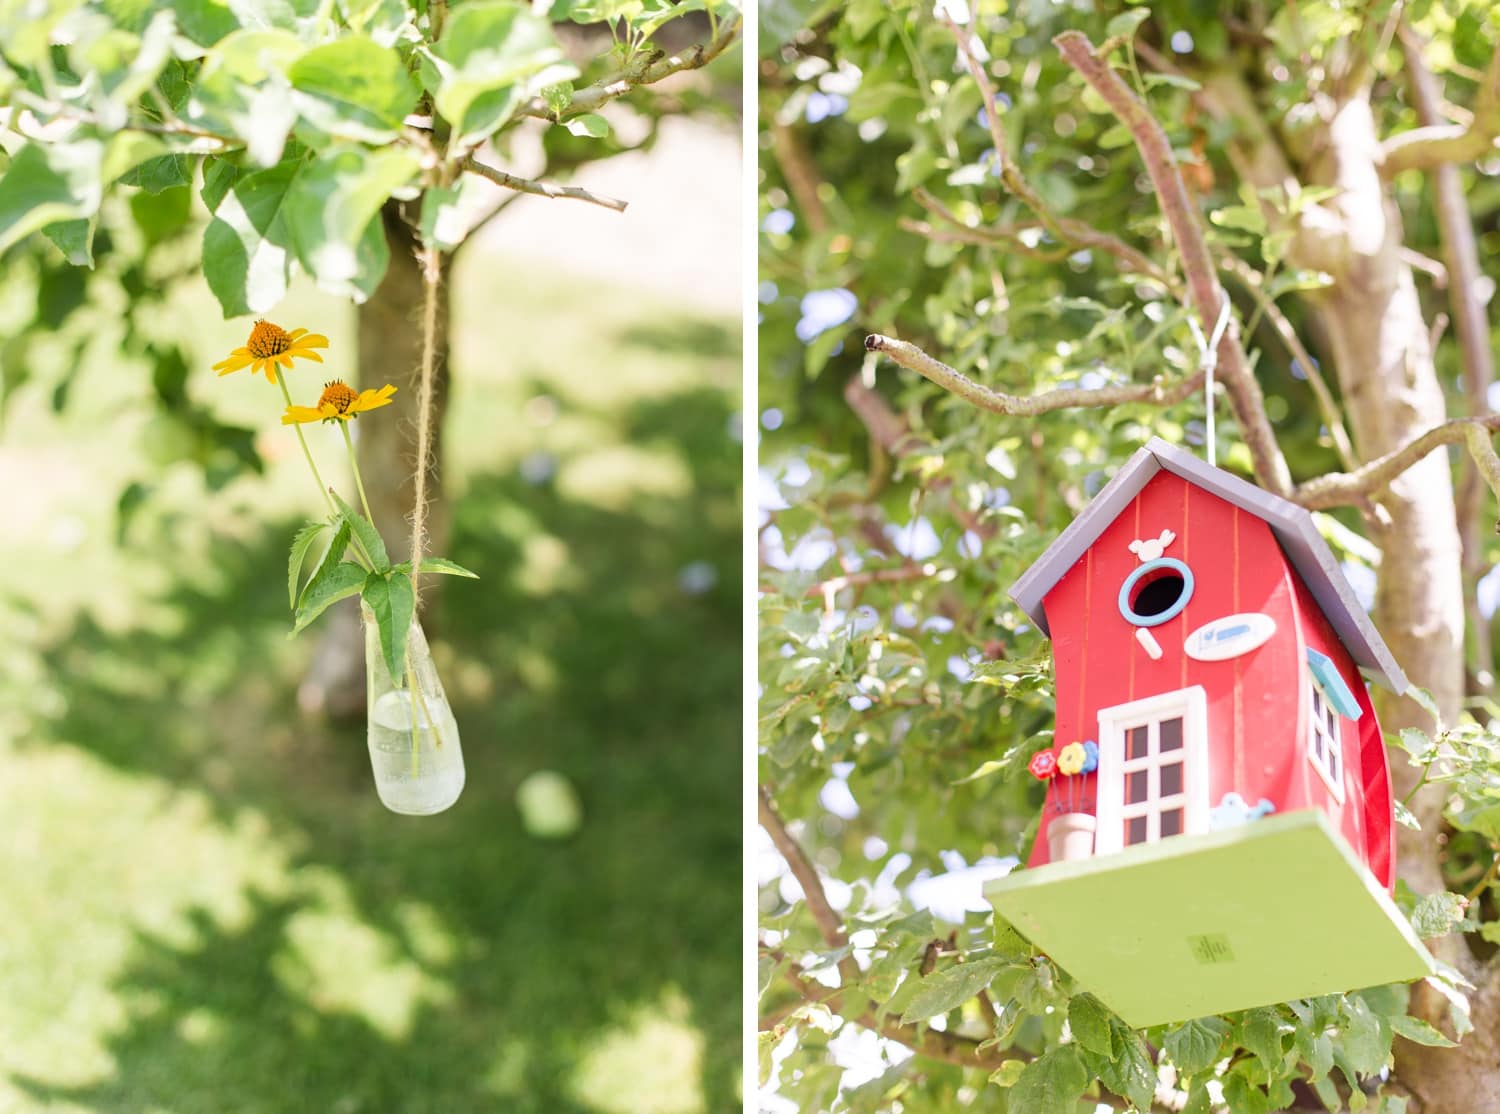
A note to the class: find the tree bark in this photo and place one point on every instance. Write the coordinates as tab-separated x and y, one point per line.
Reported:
1380	344
390	351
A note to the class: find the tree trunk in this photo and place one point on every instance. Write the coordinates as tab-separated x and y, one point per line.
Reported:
390	351
1380	344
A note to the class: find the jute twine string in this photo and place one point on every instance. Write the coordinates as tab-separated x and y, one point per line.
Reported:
432	266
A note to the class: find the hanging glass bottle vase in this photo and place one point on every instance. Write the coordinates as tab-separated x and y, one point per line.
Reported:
414	748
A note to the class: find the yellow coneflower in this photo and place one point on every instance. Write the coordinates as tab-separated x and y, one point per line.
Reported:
339	403
270	345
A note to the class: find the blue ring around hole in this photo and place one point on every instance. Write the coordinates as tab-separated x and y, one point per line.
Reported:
1170	613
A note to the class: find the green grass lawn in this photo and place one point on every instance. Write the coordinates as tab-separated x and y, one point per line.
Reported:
205	907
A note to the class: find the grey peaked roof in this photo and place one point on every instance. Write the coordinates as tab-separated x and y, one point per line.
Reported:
1292	525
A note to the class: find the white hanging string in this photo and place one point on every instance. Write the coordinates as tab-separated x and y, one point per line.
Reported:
1208	356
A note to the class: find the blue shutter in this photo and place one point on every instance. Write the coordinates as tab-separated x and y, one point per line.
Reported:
1339	697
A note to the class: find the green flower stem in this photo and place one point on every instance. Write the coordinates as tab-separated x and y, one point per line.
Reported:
354	465
323	489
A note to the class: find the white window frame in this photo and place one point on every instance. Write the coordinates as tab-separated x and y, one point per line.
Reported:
1191	704
1318	711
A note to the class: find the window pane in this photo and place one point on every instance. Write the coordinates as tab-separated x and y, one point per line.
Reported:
1171	822
1171	734
1317	742
1135	787
1136	830
1135	743
1333	724
1171	779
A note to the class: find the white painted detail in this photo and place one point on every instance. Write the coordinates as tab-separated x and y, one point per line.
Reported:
1150	549
1182	715
1229	637
1148	643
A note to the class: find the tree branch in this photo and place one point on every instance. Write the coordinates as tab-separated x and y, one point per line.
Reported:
1068	230
1207	295
1433	144
540	189
1063	398
802	869
1342	489
647	70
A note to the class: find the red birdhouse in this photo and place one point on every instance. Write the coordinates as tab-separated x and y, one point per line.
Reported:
1218	812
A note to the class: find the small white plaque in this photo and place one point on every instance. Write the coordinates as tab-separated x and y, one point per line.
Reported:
1229	637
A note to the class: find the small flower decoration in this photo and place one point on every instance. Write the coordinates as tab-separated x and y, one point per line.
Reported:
339	403
1090	756
270	345
1070	759
1043	765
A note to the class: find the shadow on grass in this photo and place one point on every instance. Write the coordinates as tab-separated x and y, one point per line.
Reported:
591	659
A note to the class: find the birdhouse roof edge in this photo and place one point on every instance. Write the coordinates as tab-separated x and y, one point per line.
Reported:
1292	525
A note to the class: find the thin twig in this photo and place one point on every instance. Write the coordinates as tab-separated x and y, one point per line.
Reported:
1272	312
1066	229
647	70
432	275
1342	489
1063	398
540	189
1207	295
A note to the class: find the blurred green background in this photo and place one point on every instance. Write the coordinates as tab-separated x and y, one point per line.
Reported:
205	907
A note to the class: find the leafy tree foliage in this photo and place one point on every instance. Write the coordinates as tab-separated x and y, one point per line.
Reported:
145	144
902	691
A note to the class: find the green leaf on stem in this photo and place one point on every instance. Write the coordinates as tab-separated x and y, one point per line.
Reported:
340	582
1052	1083
354	88
942	990
1089	1019
300	545
246	257
438	565
367	536
1194	1045
392	602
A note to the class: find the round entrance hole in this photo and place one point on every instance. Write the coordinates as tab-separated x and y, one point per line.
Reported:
1156	592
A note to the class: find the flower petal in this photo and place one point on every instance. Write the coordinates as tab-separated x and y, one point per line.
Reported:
237	359
304	355
296	414
295	333
311	340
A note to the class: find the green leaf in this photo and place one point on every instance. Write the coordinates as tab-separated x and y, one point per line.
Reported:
943	990
392	602
47	183
332	555
1089	1019
245	247
75	239
1174	80
1008	1073
1437	914
300	545
1261	1032
437	565
1366	1037
1051	1084
1416	1030
491	59
590	124
1194	1045
1130	1072
367	536
331	209
1423	699
1126	24
354	88
343	580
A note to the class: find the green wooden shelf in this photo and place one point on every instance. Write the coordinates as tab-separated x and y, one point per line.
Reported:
1202	924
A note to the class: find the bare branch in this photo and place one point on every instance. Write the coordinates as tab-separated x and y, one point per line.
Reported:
1433	144
1343	489
540	189
1063	398
801	174
1207	295
1066	229
647	70
803	870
